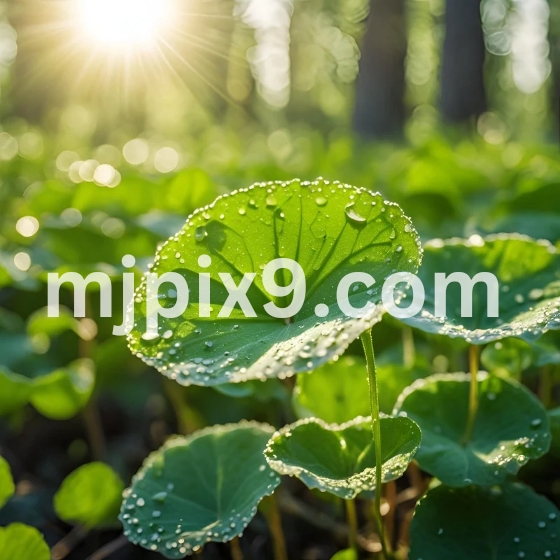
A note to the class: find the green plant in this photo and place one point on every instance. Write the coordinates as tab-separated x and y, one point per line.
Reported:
382	454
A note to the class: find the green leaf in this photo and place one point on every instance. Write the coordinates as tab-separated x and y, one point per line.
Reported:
21	542
41	323
197	489
528	273
508	357
547	349
331	230
348	554
63	393
7	486
393	379
496	523
340	459
89	496
15	391
335	392
59	395
511	427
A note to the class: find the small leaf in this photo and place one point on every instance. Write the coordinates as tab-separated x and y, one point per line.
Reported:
511	427
59	395
348	554
335	392
528	274
508	357
340	459
198	489
15	391
89	496
496	523
21	542
63	393
7	487
330	229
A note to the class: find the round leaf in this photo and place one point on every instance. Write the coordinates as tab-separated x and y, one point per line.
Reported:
331	230
340	459
496	523
21	542
63	393
90	496
197	489
528	274
511	427
347	554
7	487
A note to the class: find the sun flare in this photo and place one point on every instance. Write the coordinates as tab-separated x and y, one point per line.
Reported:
125	22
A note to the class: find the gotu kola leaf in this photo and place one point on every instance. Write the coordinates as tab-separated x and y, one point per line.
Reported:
329	229
200	488
340	459
89	496
21	542
511	427
494	523
528	274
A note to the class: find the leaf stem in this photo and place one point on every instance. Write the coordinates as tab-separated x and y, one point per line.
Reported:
109	548
409	351
235	549
352	520
474	352
65	546
545	386
272	513
367	342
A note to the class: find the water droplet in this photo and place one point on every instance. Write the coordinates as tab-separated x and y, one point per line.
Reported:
200	233
150	335
353	216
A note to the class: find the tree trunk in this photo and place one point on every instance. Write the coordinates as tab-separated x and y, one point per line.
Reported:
463	96
379	111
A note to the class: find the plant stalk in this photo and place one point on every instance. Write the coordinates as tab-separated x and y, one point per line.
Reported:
235	549
269	508
352	520
545	386
409	351
474	353
367	342
109	548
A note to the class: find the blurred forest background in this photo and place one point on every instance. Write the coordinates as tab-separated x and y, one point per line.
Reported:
229	80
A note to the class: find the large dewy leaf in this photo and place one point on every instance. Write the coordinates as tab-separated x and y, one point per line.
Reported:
21	542
197	489
497	523
90	496
330	229
528	274
511	427
340	459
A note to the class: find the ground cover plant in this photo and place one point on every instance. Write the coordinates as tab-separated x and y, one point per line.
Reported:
205	140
